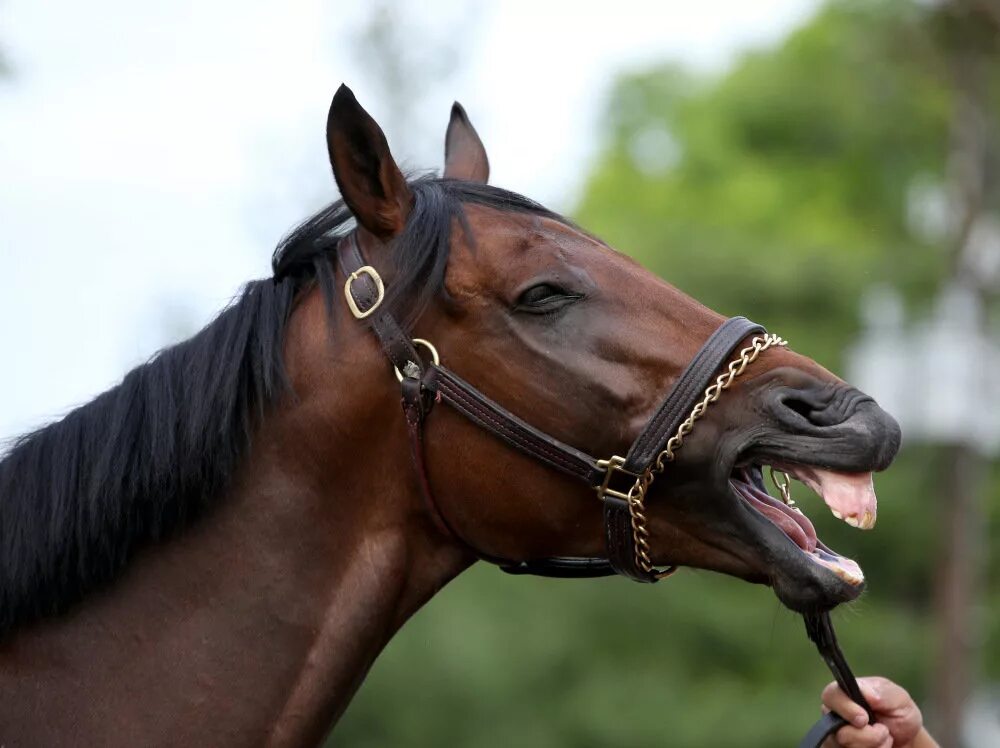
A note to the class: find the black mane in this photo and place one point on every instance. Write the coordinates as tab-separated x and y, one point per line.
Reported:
141	461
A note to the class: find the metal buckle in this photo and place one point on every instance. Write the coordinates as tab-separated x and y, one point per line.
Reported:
379	289
612	465
416	372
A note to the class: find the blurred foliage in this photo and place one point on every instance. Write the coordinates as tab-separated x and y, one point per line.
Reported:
780	191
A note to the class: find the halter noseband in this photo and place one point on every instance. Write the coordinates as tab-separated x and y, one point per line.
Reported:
621	483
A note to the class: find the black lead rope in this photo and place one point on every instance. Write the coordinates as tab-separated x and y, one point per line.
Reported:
819	627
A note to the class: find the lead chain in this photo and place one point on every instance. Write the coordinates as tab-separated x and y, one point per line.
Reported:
783	486
637	494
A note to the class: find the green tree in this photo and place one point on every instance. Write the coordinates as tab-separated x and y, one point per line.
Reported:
780	190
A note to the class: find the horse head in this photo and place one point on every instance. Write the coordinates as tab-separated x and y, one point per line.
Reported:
581	342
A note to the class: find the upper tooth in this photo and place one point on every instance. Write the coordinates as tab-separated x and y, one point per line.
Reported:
837	514
852	521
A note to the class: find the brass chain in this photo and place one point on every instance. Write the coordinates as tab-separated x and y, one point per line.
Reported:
640	532
784	486
637	494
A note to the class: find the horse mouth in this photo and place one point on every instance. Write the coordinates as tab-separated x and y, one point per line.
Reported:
849	496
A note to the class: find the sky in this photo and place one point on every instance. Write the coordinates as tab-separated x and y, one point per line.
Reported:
153	153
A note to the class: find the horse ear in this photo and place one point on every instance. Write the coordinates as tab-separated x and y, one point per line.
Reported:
464	154
371	184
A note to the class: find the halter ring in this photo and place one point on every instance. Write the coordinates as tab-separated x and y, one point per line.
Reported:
416	371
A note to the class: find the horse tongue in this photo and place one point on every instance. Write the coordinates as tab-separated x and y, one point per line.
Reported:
850	496
795	524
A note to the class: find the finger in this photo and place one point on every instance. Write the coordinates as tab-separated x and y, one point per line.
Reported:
883	693
837	701
869	736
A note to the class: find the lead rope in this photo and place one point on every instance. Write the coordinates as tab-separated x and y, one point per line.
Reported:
637	494
819	628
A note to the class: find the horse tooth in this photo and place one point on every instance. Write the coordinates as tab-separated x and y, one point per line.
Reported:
836	514
852	521
867	521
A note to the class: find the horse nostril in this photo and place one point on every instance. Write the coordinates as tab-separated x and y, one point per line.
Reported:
816	410
825	407
801	407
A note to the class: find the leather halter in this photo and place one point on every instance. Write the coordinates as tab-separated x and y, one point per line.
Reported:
423	383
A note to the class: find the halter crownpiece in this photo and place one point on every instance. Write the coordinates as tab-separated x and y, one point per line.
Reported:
621	483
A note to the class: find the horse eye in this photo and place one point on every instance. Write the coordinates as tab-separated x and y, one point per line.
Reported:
543	294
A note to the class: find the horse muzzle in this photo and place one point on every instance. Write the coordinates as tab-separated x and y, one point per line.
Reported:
831	437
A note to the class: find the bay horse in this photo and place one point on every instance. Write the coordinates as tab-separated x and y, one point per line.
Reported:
214	551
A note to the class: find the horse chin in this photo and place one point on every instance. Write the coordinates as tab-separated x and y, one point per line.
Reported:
805	573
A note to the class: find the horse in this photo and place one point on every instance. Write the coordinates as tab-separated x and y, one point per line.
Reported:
214	551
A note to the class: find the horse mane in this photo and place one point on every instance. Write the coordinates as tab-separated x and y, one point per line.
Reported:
143	460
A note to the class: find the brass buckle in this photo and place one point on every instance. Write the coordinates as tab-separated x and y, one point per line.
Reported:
430	349
611	466
379	288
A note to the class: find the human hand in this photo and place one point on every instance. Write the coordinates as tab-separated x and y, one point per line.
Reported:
899	723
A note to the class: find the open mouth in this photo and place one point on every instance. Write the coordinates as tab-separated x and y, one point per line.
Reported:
850	497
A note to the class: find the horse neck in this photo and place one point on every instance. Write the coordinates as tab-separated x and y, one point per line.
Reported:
376	550
259	623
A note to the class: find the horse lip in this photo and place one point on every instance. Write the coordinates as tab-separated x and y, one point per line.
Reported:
799	582
792	552
867	441
848	429
767	553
